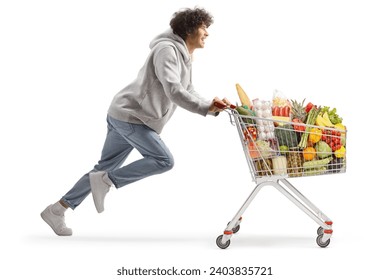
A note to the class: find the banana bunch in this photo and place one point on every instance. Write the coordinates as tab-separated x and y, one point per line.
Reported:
324	120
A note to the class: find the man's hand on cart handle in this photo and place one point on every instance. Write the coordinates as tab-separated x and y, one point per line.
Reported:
222	104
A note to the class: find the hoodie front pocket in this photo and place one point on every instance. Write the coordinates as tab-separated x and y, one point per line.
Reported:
155	103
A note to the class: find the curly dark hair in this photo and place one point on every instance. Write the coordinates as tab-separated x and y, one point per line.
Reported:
187	21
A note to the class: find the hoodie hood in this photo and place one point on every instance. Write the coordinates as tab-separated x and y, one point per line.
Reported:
169	37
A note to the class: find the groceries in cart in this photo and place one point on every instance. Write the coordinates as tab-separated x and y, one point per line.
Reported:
291	138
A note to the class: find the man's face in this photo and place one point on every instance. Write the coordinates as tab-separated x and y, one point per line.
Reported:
197	39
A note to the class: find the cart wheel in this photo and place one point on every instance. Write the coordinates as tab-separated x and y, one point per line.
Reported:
235	229
320	230
220	244
320	243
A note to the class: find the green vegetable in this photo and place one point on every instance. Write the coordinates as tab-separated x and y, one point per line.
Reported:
317	163
311	119
286	135
245	112
323	150
333	116
315	171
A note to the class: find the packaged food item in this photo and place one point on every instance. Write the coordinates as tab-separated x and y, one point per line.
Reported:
263	167
281	106
279	164
266	148
294	163
265	125
253	149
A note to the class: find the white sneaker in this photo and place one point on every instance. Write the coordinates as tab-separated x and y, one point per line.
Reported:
56	222
100	186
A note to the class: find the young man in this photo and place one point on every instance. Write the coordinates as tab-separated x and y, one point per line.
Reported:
138	114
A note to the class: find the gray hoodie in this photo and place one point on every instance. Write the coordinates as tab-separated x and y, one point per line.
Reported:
162	84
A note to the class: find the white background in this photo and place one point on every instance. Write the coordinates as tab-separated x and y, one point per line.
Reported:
61	62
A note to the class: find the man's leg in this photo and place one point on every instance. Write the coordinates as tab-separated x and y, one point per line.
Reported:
156	159
156	156
115	151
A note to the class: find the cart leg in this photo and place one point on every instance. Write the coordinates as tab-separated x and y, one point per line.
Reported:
325	231
223	241
238	217
327	224
310	209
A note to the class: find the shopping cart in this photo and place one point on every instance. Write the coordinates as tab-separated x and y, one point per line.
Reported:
271	161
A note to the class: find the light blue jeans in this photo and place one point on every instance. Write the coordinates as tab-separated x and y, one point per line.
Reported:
122	138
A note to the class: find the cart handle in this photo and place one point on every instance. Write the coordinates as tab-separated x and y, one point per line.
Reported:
222	106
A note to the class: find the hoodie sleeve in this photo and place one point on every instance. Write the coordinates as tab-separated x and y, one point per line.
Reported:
191	90
166	67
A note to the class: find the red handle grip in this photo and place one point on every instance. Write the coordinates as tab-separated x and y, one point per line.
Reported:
223	106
